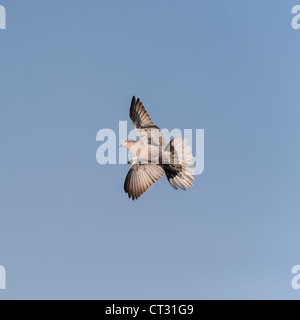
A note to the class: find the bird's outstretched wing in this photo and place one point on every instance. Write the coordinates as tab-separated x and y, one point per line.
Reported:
149	133
140	178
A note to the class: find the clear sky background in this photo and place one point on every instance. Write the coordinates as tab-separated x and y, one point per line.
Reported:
69	68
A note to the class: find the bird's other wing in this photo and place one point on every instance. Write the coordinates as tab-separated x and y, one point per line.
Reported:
149	133
140	178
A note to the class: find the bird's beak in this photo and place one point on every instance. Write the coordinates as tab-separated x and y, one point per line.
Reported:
121	146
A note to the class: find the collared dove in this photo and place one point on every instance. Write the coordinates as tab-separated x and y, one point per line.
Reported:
154	157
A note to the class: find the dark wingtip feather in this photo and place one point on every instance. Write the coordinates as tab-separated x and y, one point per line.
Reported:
133	101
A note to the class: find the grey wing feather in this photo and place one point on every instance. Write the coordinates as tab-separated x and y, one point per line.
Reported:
140	178
145	127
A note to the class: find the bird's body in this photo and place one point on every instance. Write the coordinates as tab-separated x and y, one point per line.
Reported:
154	158
146	152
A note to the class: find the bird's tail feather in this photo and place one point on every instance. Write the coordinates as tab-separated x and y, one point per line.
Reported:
177	170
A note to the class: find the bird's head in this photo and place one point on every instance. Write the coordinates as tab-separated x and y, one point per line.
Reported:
127	143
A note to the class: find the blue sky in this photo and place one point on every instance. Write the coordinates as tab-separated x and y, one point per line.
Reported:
69	69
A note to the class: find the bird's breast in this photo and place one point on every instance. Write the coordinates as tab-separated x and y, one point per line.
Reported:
146	152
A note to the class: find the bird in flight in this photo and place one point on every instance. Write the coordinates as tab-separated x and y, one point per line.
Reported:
153	157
